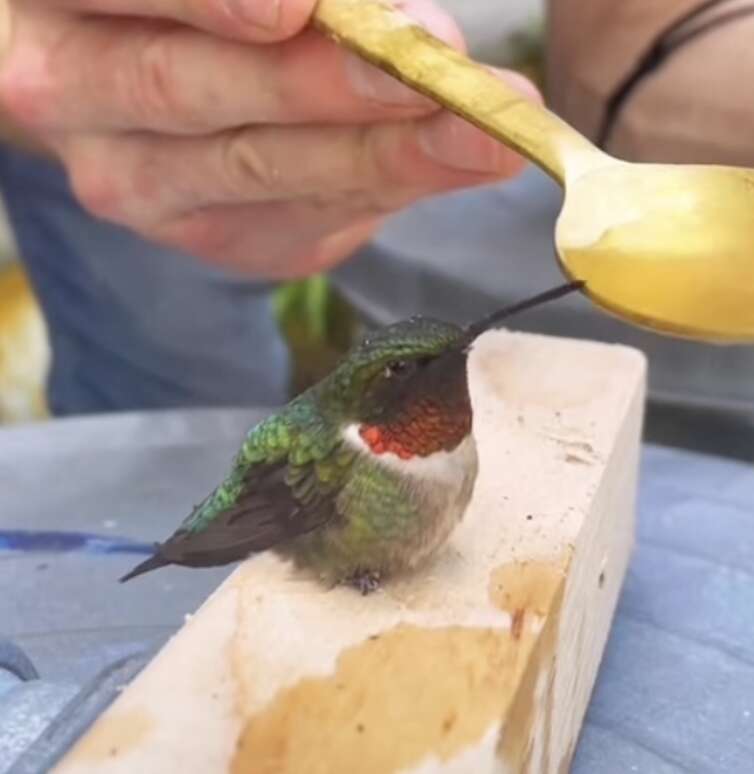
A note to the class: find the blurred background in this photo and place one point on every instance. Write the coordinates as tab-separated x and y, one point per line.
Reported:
317	322
455	255
24	352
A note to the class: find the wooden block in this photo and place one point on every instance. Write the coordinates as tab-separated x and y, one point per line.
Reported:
481	662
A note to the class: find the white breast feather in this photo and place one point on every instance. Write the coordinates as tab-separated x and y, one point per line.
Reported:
439	466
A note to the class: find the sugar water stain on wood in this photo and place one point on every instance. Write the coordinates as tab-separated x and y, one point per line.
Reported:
417	693
444	689
526	587
532	592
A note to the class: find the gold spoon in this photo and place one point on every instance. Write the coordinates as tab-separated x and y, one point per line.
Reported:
666	247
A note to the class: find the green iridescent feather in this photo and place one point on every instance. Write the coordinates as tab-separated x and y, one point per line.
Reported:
299	438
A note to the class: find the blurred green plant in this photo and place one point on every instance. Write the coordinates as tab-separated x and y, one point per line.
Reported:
318	323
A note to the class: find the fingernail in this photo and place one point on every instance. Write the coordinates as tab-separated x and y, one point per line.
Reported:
373	84
260	13
455	143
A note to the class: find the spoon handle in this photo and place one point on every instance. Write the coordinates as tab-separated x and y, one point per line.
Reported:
392	41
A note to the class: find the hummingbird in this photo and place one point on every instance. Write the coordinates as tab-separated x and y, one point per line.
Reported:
363	475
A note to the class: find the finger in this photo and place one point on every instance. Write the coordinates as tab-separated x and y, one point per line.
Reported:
374	168
261	21
271	241
178	80
331	250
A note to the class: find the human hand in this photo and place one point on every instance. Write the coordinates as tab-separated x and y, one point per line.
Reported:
232	130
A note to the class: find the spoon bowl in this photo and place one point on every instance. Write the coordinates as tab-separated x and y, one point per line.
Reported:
666	247
669	247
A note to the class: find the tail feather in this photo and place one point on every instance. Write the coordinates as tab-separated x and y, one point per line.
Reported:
153	563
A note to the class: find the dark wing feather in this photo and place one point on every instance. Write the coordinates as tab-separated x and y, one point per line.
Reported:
267	513
275	497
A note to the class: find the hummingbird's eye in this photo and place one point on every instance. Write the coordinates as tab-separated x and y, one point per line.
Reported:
396	368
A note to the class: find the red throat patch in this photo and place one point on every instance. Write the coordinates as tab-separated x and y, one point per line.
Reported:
381	442
417	435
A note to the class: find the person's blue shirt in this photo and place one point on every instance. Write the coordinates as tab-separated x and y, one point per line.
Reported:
134	325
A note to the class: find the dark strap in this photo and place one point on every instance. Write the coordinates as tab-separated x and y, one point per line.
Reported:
665	43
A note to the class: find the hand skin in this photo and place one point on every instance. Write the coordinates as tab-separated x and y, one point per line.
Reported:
230	129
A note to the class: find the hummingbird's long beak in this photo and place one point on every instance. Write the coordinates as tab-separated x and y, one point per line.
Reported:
490	321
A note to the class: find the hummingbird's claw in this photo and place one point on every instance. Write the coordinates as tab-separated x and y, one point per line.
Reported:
366	581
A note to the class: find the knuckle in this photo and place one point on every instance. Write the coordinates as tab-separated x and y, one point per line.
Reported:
153	89
248	173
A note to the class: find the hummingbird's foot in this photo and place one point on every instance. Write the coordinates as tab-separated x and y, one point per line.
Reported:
366	581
